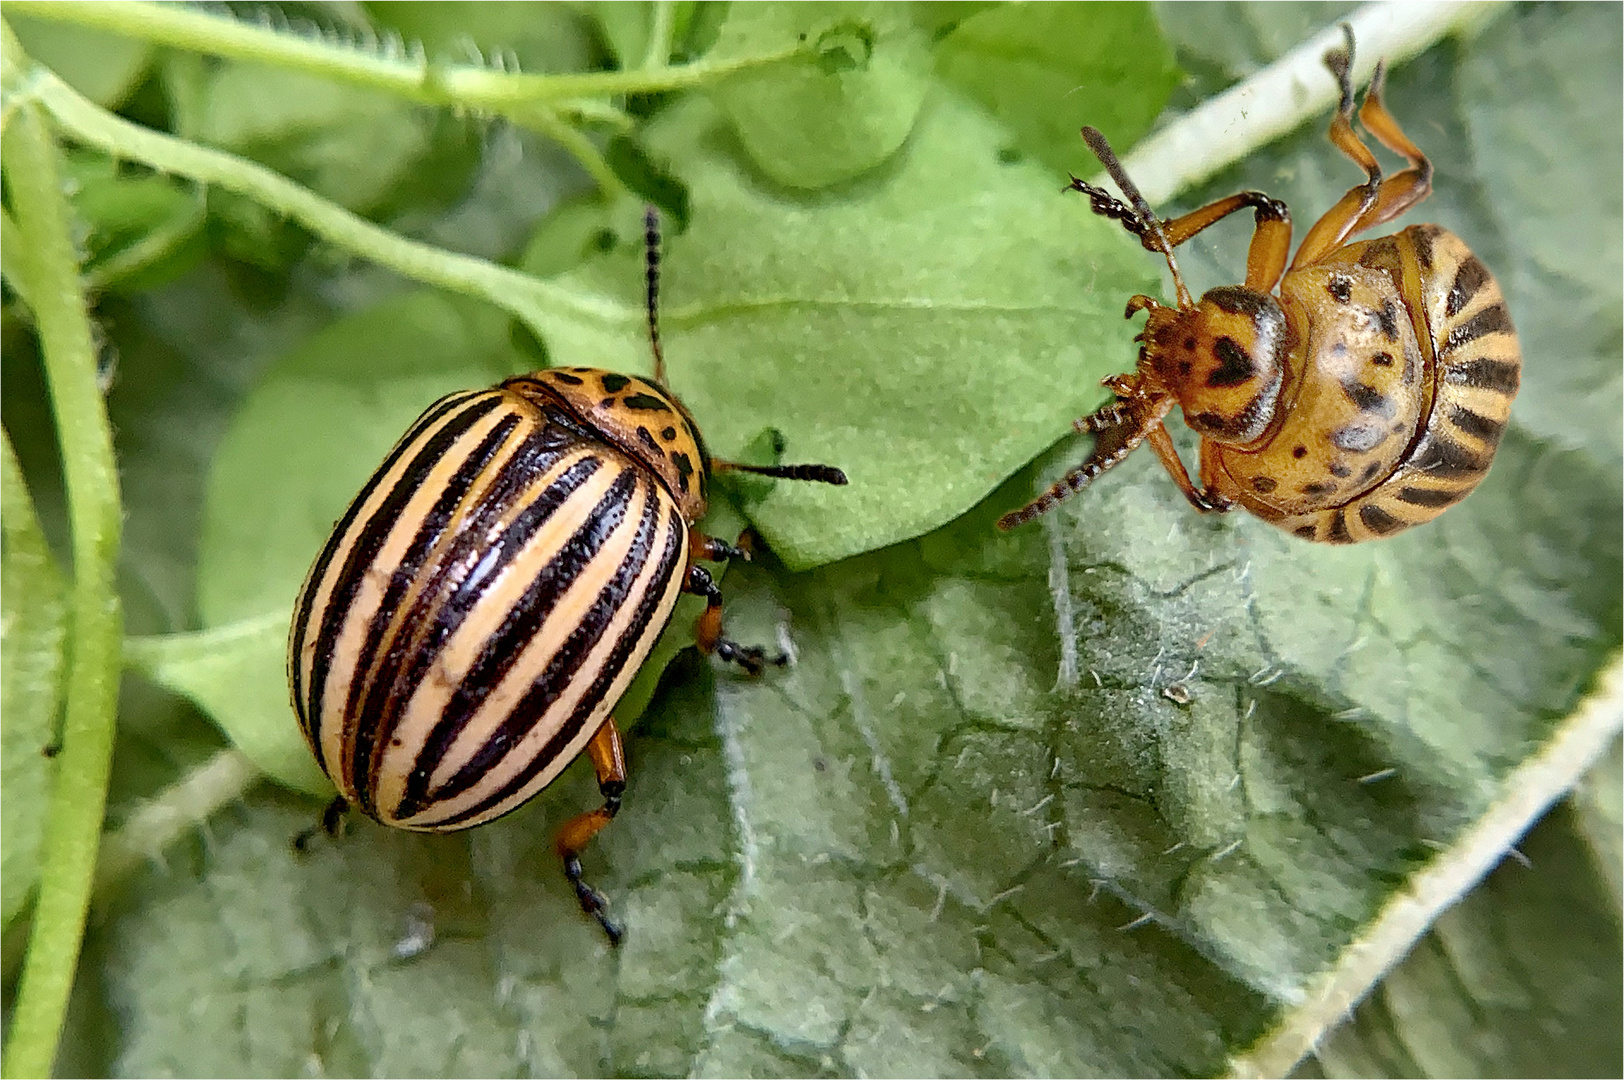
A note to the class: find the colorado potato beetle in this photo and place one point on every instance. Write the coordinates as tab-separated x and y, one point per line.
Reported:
1368	396
487	597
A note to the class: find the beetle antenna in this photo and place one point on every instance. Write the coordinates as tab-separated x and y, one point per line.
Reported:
1147	217
820	474
651	242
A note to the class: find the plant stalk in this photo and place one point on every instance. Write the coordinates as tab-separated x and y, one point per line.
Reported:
406	73
79	795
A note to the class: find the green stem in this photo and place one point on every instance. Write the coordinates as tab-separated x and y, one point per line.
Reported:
12	255
1284	95
542	305
155	823
79	795
661	27
583	149
412	77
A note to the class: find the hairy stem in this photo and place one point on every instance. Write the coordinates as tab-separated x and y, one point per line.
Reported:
543	306
1286	94
79	795
408	74
175	811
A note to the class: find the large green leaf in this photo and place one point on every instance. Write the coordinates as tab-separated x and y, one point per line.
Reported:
933	845
840	109
1048	71
1508	983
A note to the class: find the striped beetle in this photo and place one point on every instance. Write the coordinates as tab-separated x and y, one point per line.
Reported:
487	597
1369	397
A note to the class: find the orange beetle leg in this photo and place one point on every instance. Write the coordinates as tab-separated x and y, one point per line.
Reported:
1206	500
708	629
609	762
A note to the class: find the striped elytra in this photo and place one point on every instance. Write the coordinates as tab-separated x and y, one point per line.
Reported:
1356	392
482	605
479	610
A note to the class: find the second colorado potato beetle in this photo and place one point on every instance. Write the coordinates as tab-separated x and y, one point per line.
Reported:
487	597
1368	396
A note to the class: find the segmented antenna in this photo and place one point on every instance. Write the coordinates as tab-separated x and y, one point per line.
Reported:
651	241
1152	224
820	474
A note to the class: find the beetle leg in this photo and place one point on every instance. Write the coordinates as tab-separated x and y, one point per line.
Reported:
1402	191
1271	233
1342	220
714	548
1110	416
1217	487
1205	499
335	819
708	630
1271	239
609	762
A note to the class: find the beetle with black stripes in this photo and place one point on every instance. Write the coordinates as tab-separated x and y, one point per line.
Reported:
482	605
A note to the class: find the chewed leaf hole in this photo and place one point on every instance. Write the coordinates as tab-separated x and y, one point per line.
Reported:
847	46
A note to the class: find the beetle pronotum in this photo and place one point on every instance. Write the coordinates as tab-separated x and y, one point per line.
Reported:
487	597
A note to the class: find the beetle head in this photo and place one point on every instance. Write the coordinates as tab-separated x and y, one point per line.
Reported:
1224	359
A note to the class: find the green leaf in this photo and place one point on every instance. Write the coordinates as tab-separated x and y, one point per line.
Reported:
105	68
185	356
835	112
362	148
1047	69
571	234
223	672
33	597
930	845
929	332
144	230
1507	983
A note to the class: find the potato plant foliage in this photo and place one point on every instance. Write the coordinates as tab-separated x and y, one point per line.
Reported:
1118	793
